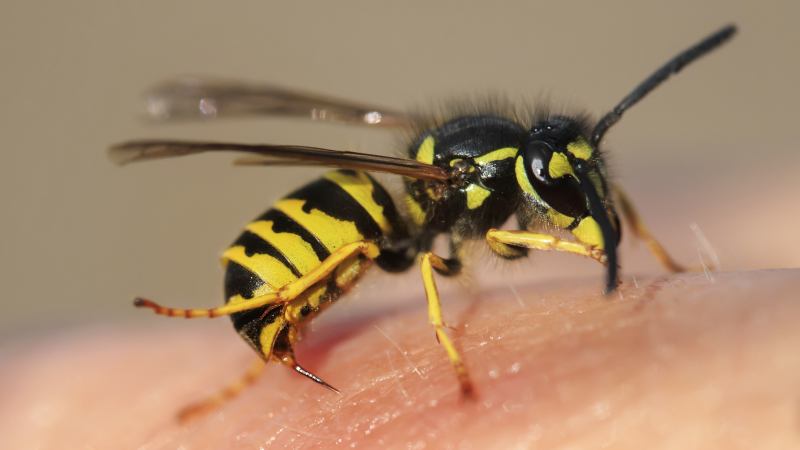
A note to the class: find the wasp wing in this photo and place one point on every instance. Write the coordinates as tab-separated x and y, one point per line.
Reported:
134	151
194	98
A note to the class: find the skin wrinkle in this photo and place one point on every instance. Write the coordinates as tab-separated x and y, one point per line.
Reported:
679	360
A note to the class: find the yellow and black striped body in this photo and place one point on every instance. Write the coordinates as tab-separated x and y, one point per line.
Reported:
466	177
294	237
305	228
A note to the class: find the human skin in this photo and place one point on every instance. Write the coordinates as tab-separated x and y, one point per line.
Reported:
683	361
691	360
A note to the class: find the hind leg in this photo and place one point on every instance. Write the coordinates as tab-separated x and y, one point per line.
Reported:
226	394
273	332
285	294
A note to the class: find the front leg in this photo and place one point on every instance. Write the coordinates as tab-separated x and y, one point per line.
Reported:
504	242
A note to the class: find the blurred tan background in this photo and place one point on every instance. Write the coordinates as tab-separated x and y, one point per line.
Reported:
79	236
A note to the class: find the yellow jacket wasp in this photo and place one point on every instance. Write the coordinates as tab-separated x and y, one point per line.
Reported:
464	178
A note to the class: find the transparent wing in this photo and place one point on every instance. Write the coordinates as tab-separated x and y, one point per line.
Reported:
134	151
194	98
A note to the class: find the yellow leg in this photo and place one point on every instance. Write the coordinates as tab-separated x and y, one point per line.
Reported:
430	262
499	240
231	391
282	295
640	230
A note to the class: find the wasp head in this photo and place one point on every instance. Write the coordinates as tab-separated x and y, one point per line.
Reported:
561	172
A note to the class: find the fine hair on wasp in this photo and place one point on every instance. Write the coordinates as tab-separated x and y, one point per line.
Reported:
467	169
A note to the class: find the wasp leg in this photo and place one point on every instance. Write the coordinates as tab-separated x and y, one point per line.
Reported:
255	302
284	294
230	391
502	242
444	267
640	230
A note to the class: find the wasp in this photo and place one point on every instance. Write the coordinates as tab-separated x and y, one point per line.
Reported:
464	176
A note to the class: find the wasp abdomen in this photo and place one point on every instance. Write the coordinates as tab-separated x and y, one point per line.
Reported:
294	237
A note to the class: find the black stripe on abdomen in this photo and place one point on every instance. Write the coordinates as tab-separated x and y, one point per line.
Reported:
254	244
327	197
281	223
240	281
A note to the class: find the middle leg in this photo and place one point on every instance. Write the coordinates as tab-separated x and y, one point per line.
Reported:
431	262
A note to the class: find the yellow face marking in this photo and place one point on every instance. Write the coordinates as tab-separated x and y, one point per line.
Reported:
558	219
476	195
415	211
333	233
559	166
522	178
588	232
597	181
497	155
580	149
360	187
425	152
268	268
290	245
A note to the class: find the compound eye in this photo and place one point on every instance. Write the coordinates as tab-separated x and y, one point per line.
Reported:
564	193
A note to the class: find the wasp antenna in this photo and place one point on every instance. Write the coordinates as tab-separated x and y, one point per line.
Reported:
659	76
600	215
